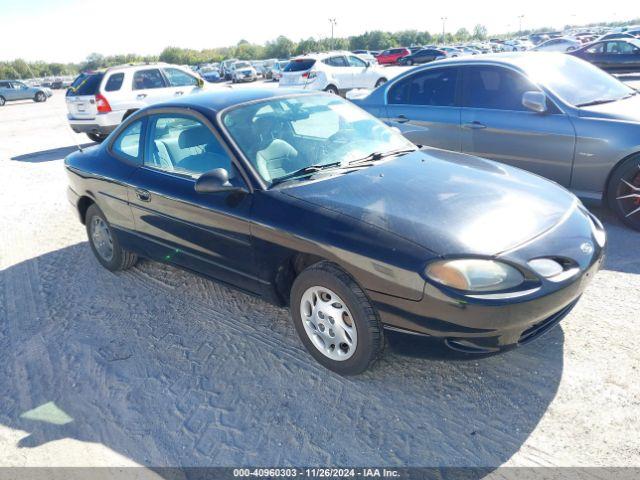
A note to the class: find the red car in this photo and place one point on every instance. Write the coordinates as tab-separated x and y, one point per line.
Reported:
392	55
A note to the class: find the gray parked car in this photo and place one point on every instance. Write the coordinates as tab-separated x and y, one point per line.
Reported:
549	113
17	90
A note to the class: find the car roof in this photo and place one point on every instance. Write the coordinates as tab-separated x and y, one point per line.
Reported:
217	100
516	59
323	55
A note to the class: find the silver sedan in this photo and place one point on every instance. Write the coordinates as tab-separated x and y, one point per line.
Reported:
549	113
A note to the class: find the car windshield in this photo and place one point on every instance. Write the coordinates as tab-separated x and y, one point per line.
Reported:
242	64
575	81
285	135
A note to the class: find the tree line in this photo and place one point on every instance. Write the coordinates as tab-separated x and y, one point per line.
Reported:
281	47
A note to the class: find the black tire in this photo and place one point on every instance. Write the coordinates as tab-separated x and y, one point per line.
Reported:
370	334
40	97
2	101
332	89
381	81
623	192
97	137
121	259
409	62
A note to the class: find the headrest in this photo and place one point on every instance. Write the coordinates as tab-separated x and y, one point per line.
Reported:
194	137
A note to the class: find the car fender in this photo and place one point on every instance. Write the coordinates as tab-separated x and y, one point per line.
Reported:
601	144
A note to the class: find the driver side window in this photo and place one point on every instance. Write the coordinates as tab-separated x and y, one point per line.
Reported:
183	145
356	62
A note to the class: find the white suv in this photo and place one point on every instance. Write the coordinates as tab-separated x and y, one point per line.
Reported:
335	72
98	102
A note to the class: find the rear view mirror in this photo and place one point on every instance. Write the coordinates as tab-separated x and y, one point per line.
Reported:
535	101
215	181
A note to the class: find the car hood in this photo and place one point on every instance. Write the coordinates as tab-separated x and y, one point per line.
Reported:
447	202
627	109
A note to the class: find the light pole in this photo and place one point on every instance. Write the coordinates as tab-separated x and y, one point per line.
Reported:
520	17
333	23
444	19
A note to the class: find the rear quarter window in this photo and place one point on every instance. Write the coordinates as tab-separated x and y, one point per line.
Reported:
114	82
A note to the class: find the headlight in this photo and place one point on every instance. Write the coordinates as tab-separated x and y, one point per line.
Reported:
474	275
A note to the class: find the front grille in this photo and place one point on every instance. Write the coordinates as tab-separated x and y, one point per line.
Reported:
543	327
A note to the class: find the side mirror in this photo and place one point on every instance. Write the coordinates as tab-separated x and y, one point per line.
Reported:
535	101
200	82
368	64
215	181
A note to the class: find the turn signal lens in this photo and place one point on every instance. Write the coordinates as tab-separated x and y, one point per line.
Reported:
475	275
545	267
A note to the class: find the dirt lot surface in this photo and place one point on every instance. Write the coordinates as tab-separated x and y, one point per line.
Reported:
158	367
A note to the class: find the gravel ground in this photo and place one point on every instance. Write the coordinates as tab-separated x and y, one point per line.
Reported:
158	367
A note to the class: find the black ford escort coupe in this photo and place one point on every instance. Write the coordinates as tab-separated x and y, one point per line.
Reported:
306	200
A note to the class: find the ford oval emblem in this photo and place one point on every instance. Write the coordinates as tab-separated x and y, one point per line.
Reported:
587	248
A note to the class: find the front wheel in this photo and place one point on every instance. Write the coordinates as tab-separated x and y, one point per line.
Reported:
40	97
335	319
2	101
623	192
104	243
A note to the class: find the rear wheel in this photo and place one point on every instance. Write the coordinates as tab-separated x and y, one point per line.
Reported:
2	101
97	137
335	319
332	89
623	192
381	81
40	97
104	243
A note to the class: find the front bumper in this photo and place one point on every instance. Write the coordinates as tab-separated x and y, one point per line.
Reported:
483	325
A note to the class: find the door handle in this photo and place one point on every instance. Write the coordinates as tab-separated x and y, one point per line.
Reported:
178	93
143	195
474	125
401	119
142	96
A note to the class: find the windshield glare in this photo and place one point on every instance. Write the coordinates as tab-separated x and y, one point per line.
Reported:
284	135
575	81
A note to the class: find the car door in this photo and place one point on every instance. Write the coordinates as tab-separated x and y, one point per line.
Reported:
6	90
340	71
21	91
150	86
207	233
180	82
496	125
595	54
424	107
621	56
361	75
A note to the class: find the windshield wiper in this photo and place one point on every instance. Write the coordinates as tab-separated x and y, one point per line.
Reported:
597	102
306	171
380	155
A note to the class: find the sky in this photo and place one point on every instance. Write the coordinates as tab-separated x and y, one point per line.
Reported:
69	30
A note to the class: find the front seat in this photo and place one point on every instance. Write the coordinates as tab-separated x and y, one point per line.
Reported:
273	152
203	152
